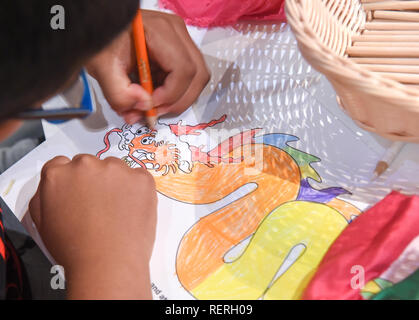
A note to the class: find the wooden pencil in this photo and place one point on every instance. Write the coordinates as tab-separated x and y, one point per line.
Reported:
390	155
390	32
401	77
411	26
391	5
396	15
386	38
143	64
371	1
392	68
378	44
390	52
387	61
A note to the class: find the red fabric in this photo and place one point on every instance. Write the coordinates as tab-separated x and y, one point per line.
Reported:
374	240
211	13
2	246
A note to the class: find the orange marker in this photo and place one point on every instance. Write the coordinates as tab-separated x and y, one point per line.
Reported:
143	64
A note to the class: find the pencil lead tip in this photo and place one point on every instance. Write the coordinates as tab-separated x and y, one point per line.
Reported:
375	176
151	122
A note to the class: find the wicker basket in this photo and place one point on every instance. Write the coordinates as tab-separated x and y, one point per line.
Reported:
324	29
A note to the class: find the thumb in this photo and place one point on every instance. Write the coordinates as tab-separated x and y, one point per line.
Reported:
122	94
141	98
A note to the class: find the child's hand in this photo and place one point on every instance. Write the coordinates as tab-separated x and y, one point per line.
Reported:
98	220
180	70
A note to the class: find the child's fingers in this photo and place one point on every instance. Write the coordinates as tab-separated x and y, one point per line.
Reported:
132	117
186	72
190	96
35	203
112	71
183	72
35	208
180	73
140	98
55	162
122	94
170	54
173	88
202	75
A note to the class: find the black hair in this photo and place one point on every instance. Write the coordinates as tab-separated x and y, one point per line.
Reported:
36	59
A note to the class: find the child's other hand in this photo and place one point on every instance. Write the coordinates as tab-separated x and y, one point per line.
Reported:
179	69
98	220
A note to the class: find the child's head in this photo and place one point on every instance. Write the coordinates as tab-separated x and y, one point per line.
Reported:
36	61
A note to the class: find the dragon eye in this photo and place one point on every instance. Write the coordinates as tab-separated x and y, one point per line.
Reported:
146	141
142	131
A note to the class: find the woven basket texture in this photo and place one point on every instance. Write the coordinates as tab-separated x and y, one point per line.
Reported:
324	30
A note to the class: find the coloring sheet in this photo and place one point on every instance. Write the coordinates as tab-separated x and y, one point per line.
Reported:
256	180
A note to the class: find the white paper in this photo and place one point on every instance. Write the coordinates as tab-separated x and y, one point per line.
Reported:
260	82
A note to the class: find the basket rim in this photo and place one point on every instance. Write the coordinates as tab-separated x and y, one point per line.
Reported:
362	78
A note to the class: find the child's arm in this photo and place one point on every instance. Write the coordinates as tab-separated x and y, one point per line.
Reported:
98	220
181	73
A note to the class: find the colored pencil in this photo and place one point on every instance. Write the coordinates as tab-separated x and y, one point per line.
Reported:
388	158
143	64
